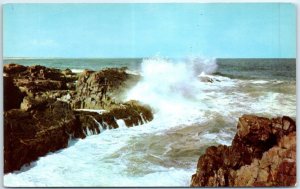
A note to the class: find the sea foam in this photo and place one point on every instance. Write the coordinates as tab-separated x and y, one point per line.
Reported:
170	86
189	115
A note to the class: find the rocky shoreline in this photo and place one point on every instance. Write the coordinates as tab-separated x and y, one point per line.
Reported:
44	108
262	153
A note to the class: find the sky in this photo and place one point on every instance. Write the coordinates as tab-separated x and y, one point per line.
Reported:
257	30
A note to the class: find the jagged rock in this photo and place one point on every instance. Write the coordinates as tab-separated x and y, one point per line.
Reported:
67	72
86	123
206	79
12	94
99	90
253	158
92	121
70	78
44	73
33	79
31	134
33	72
37	103
39	115
13	68
33	87
277	167
132	112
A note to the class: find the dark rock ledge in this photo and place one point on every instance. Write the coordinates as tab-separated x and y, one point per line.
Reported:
43	109
262	153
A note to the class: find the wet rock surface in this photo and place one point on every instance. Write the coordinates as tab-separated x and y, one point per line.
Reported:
101	90
33	133
262	153
12	94
44	108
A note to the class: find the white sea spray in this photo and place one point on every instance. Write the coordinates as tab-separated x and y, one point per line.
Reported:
189	116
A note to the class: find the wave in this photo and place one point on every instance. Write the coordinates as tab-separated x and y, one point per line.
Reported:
77	70
168	84
189	116
173	89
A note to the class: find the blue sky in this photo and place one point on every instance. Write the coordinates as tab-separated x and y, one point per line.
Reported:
239	30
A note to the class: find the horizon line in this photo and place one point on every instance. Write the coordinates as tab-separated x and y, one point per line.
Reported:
144	57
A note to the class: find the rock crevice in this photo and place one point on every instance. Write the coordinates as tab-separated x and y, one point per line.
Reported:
40	109
262	153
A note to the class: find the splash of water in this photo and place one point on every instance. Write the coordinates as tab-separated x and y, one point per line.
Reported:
171	86
190	115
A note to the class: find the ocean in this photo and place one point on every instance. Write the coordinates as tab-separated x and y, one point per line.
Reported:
282	69
189	116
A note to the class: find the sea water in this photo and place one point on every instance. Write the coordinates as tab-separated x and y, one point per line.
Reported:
189	116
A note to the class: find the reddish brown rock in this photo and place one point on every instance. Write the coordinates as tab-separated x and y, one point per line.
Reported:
277	167
102	89
12	94
39	115
263	153
132	113
35	79
31	134
33	72
13	69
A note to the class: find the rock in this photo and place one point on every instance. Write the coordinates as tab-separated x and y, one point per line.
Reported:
277	167
44	73
12	94
132	113
33	79
94	122
39	103
86	125
12	69
263	153
99	90
33	87
33	72
206	79
70	78
67	72
31	134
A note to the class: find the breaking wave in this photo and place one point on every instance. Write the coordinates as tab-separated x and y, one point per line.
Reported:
189	116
